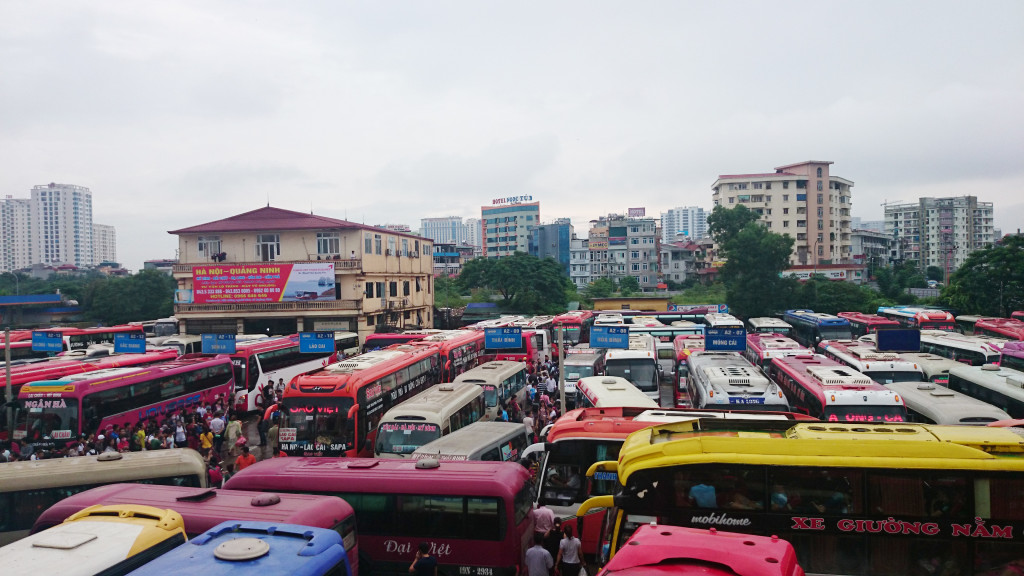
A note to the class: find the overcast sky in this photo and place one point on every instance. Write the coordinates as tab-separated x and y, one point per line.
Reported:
179	113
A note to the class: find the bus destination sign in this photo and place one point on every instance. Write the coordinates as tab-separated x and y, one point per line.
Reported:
503	337
609	336
218	343
129	343
316	342
725	339
43	341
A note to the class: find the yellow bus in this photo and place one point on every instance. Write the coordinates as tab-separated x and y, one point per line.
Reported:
852	498
108	540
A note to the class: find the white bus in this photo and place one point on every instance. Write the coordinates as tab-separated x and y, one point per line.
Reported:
501	380
668	333
722	320
973	350
935	368
488	441
638	364
29	487
727	380
611	392
1000	387
107	540
427	416
769	324
606	318
928	403
882	367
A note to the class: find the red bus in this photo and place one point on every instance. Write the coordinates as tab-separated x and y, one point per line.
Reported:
335	411
381	340
664	549
762	347
460	350
474	515
922	318
587	435
683	346
202	508
1000	327
825	389
862	323
575	326
21	351
260	362
54	412
1017	315
18	336
532	349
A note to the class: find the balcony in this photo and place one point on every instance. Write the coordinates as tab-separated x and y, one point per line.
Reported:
287	307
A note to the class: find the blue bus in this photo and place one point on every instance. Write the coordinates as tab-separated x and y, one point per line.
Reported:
810	327
264	548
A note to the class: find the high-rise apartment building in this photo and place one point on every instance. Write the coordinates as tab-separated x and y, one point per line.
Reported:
104	243
804	201
15	234
620	246
505	228
939	231
553	241
690	223
53	226
446	230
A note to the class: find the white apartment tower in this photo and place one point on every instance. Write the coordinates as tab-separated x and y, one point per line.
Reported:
15	232
62	224
691	222
804	201
939	231
446	230
104	243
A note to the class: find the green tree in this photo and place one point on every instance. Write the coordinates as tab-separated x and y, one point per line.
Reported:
147	295
628	285
755	259
991	280
935	273
526	283
830	297
600	288
447	293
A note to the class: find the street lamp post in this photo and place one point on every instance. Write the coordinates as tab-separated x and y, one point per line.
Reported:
814	255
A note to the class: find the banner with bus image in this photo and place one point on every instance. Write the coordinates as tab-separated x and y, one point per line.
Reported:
263	282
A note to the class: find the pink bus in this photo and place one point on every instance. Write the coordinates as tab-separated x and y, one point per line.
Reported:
663	549
203	508
823	388
862	323
474	515
52	413
1010	328
762	347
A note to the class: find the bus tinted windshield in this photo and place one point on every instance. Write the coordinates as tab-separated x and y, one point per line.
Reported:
405	437
643	373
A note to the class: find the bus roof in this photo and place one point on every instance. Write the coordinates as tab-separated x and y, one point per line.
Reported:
944	406
871	319
461	443
708	552
818	318
1009	327
203	508
104	468
433	402
382	476
114	377
489	371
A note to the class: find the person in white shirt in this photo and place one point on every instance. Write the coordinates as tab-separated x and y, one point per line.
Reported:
569	561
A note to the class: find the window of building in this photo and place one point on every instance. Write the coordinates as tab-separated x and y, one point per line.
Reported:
785	210
391	245
801	223
268	247
819	172
758	186
209	246
393	289
742	186
821	211
405	288
369	290
378	244
801	184
731	200
768	186
369	320
768	224
785	197
785	223
768	198
405	247
819	186
785	186
821	224
328	243
820	199
418	284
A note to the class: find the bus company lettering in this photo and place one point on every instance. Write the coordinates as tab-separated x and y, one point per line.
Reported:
59	403
169	407
891	525
722	519
406	548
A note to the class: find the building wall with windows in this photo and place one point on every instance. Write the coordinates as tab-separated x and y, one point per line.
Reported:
681	224
939	231
62	224
382	277
505	228
553	241
16	245
579	262
803	200
104	243
446	230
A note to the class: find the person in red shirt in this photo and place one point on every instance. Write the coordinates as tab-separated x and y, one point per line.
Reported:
244	460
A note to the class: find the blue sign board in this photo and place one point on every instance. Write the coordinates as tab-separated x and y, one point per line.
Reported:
503	338
218	343
898	340
47	341
725	339
609	336
316	342
129	343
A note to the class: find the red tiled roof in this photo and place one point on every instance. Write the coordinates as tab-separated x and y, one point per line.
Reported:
274	219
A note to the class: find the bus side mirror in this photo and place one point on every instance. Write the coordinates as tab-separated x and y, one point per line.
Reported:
352	411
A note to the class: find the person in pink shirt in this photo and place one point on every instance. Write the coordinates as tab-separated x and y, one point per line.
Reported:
543	519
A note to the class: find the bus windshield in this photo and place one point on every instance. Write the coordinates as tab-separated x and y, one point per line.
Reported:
405	437
55	419
570	457
1012	362
642	373
835	332
571	335
577	371
890	376
490	395
321	425
842	413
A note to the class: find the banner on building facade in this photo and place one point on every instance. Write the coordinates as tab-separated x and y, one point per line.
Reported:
263	282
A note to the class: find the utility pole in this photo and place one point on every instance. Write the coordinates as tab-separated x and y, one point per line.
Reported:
7	377
561	368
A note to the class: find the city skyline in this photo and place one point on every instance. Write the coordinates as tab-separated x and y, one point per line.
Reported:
373	113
